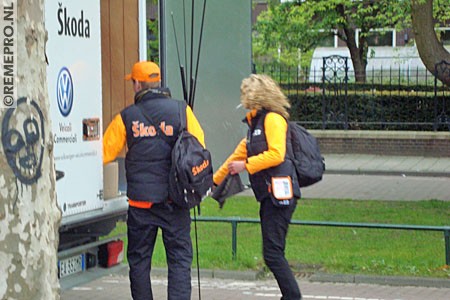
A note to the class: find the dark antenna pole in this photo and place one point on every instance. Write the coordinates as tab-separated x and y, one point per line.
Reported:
185	45
191	90
192	53
183	78
198	55
191	103
196	246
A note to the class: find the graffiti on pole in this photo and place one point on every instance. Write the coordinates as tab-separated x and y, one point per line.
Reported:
23	134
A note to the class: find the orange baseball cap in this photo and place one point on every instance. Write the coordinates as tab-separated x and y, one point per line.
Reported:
145	71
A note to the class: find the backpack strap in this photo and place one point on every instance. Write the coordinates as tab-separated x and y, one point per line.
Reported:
182	114
289	146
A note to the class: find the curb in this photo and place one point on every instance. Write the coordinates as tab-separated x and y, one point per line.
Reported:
318	277
382	280
204	273
219	274
386	173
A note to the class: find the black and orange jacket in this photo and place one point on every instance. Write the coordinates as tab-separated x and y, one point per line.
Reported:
148	156
264	151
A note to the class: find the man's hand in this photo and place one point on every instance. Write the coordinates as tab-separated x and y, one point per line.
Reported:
236	167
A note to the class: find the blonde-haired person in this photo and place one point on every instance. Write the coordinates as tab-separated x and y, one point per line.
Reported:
272	176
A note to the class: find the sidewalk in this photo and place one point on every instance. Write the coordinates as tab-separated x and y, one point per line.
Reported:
387	165
241	285
377	177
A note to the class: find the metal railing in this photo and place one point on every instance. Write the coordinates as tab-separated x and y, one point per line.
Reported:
391	78
235	220
390	99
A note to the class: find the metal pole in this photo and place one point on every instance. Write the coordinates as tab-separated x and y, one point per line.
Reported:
323	94
234	239
447	247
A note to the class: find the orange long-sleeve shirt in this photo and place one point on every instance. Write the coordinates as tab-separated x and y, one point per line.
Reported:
115	139
275	127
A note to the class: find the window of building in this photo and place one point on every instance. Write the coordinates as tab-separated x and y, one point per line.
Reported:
380	38
443	35
327	41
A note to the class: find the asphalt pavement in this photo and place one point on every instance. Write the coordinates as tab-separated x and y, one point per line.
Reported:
359	177
115	285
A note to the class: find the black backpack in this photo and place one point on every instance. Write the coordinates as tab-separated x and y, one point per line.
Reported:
191	173
305	153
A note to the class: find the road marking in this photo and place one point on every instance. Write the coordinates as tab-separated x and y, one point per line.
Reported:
81	288
339	298
266	295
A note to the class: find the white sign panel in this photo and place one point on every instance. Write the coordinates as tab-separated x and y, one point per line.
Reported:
74	86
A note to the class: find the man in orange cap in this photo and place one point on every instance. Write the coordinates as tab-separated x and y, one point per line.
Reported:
150	128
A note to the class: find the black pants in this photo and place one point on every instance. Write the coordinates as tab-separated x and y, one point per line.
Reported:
143	227
274	227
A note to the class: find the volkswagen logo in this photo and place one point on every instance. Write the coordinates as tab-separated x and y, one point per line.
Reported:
64	91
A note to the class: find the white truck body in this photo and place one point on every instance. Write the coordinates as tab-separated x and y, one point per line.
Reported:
75	94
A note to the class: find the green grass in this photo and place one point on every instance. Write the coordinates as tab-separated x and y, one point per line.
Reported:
328	249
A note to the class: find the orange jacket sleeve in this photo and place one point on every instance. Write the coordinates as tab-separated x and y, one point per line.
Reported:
275	127
193	126
240	153
114	139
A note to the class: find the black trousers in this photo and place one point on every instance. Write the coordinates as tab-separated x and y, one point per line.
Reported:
274	227
143	227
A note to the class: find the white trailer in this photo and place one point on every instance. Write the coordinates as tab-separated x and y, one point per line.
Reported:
74	76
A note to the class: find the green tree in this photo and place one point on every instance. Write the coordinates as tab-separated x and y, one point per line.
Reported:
153	41
302	24
281	29
153	35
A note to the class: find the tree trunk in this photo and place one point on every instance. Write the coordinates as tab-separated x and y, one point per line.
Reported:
357	54
431	51
359	67
29	216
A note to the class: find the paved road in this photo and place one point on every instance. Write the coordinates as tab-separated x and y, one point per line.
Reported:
117	287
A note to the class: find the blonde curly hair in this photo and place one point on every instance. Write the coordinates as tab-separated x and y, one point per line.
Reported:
262	92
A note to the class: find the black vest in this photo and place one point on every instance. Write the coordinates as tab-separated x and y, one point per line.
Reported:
148	159
256	144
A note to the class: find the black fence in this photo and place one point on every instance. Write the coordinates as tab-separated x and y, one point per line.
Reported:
389	99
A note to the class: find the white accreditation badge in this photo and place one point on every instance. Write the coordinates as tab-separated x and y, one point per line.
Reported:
282	188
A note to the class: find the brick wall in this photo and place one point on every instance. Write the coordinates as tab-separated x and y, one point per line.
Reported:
430	144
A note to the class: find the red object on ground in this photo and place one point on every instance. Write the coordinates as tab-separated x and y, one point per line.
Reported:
110	254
